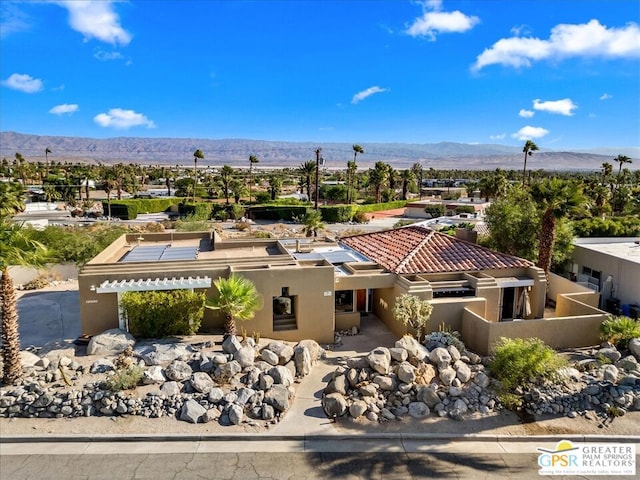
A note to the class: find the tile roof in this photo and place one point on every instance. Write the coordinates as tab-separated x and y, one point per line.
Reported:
417	249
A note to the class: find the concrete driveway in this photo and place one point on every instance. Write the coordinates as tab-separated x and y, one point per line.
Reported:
48	315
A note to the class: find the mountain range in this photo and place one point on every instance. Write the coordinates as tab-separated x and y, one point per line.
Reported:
235	152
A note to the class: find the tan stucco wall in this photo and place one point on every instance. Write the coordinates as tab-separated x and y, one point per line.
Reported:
346	321
559	285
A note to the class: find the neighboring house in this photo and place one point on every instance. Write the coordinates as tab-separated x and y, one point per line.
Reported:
452	207
312	288
610	266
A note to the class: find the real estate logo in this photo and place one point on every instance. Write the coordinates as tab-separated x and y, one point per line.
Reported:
588	459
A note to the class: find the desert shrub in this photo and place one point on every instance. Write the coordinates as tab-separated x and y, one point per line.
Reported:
360	217
195	211
619	330
236	211
125	378
262	234
36	283
403	223
242	226
158	314
154	227
435	210
445	338
413	312
520	362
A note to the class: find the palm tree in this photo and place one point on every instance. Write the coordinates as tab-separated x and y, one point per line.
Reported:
557	199
352	169
197	155
237	299
528	149
226	173
356	150
377	177
621	159
275	186
46	157
11	199
307	170
252	160
312	222
417	173
16	248
407	178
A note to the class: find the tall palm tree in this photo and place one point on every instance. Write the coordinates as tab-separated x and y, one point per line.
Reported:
11	199
252	160
557	199
417	173
226	173
352	169
408	178
528	149
16	248
197	155
356	150
237	299
307	170
621	160
46	158
377	178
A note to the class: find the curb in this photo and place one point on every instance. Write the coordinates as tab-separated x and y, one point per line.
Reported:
425	437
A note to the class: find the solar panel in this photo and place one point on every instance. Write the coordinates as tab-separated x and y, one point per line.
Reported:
159	253
179	253
339	257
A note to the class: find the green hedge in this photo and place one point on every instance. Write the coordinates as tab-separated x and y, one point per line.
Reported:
153	205
158	314
376	207
121	210
338	213
277	212
199	210
607	227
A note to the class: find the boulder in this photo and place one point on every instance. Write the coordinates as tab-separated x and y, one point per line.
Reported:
28	359
334	405
399	354
339	384
284	351
315	350
228	370
369	390
231	344
278	397
268	412
215	395
357	408
447	375
245	356
406	372
385	383
281	375
379	360
428	395
425	374
211	415
440	357
611	353
482	380
302	360
102	365
414	348
463	372
634	347
244	395
110	342
357	363
418	409
265	382
192	411
153	375
269	357
201	382
163	353
610	373
171	388
236	414
454	352
178	371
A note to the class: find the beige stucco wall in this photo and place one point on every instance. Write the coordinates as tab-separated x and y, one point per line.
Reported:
62	271
346	321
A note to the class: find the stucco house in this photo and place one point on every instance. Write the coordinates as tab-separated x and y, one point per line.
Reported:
311	288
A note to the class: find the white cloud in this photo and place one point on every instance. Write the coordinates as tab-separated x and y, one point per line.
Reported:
64	108
434	21
105	56
526	113
23	82
499	136
123	119
562	107
367	93
12	19
528	132
585	40
96	19
605	96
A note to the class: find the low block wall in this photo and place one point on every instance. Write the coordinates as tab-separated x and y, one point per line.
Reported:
346	321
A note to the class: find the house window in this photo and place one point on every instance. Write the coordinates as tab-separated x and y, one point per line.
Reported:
454	292
284	311
344	301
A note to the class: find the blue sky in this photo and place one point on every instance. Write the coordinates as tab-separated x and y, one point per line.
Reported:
565	73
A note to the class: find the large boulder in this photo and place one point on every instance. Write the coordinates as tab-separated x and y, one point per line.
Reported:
163	353
281	375
28	359
192	411
414	348
153	375
202	382
634	347
269	357
278	397
110	342
178	371
236	414
302	360
406	372
334	405
428	395
282	350
440	357
315	350
231	344
380	360
245	356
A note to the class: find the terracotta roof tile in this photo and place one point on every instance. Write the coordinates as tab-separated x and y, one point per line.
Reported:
421	250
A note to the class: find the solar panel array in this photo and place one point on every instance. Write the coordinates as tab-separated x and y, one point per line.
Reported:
159	253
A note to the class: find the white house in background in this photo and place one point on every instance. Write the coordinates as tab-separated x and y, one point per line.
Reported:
612	267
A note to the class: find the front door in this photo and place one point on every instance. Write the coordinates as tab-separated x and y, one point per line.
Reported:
508	299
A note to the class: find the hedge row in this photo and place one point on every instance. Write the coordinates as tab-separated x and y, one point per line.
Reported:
607	227
277	212
338	213
376	207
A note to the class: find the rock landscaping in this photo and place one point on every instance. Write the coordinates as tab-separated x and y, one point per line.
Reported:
235	383
445	380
